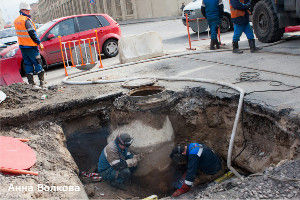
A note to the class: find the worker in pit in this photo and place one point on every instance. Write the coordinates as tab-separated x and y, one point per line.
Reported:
213	11
240	18
198	157
29	43
116	163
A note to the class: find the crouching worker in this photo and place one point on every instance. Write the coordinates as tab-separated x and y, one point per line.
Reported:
116	164
199	158
213	11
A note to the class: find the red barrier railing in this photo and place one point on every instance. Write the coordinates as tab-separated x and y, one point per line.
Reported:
88	43
189	35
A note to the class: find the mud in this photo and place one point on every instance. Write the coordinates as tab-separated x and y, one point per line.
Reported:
74	117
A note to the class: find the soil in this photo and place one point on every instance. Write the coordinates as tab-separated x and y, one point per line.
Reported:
54	165
280	182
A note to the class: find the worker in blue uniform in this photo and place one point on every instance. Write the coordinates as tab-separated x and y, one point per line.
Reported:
213	11
240	10
199	157
116	163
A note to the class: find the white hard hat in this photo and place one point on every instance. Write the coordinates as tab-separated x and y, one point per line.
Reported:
24	6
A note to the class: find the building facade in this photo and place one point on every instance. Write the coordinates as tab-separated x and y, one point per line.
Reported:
2	22
120	10
34	12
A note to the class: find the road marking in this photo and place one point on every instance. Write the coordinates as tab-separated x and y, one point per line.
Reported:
193	70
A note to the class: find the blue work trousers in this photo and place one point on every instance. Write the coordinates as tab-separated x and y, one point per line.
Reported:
32	60
213	26
239	29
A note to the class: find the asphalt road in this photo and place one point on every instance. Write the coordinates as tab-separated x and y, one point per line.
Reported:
174	36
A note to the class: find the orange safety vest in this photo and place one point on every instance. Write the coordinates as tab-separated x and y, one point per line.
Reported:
237	13
22	33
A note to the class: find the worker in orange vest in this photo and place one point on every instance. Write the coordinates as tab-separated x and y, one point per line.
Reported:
28	43
240	18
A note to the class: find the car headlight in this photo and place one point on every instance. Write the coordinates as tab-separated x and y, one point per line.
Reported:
11	53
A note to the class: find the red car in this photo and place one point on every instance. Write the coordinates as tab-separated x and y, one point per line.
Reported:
70	28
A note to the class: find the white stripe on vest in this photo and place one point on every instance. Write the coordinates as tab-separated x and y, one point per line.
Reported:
200	152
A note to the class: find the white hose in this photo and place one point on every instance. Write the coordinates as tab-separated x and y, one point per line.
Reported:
240	90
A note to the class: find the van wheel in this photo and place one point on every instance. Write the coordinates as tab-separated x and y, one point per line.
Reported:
266	22
110	48
225	24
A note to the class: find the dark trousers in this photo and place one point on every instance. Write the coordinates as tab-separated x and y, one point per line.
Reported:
213	26
32	60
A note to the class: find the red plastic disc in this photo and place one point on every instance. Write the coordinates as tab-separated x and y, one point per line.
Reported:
15	154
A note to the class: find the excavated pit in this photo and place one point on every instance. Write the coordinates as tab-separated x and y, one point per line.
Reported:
194	115
157	119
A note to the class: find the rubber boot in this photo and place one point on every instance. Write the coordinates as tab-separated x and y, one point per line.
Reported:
41	78
212	44
30	79
252	46
235	48
217	44
184	189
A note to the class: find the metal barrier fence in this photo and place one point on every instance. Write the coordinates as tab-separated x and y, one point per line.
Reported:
189	35
86	53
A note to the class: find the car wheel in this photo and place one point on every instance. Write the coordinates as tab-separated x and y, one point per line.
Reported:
225	24
110	48
266	22
44	64
22	70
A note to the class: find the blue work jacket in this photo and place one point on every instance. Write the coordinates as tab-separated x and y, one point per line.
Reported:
212	9
201	157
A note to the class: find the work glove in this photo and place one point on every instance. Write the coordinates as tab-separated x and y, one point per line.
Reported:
132	162
41	46
184	189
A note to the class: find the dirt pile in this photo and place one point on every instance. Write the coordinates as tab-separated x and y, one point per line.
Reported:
20	95
281	182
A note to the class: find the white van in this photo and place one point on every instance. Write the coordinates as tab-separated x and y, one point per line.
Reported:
193	10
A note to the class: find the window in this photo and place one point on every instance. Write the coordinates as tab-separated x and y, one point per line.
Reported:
63	28
88	23
103	21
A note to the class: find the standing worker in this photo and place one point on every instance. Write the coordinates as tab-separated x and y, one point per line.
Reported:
199	157
116	164
213	11
28	43
240	18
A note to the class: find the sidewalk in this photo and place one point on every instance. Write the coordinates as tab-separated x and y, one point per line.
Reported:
137	21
